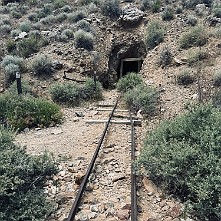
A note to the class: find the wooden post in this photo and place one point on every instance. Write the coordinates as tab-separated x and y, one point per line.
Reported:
18	79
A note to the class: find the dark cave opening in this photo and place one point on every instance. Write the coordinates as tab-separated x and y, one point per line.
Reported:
127	65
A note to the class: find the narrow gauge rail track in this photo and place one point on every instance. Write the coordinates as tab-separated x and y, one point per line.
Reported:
76	203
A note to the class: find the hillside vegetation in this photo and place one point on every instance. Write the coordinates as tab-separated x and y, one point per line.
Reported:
179	42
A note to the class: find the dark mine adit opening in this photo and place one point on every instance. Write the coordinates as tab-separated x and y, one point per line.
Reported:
124	59
129	65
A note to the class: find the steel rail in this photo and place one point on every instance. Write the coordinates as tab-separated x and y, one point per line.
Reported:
133	176
76	203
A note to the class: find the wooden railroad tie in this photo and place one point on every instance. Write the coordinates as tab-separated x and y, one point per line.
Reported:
136	122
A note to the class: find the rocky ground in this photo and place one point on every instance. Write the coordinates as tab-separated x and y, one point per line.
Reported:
74	141
108	192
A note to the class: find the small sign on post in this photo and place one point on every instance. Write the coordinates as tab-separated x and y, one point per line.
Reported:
18	79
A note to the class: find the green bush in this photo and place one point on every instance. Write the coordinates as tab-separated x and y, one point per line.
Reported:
66	93
22	181
154	34
217	79
28	46
129	81
196	55
76	16
25	26
179	10
191	20
155	6
110	8
217	11
195	37
73	94
26	111
92	91
61	17
142	98
42	65
185	77
168	14
216	99
84	25
165	57
11	46
5	29
31	45
12	65
183	155
145	5
84	40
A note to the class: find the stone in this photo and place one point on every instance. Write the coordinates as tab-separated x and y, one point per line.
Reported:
131	15
79	178
21	35
79	114
123	214
57	65
118	177
57	131
92	215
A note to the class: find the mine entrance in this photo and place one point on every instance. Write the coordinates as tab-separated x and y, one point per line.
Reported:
129	65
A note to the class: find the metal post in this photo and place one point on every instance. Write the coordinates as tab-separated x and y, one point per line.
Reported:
18	79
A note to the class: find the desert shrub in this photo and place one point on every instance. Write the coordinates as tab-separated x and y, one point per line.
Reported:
179	10
217	11
42	65
5	29
12	65
191	20
195	37
31	45
59	3
16	14
217	32
22	181
21	111
155	6
84	39
154	34
84	25
166	57
25	26
69	33
185	77
73	94
143	98
66	93
33	17
76	16
91	90
61	17
11	46
129	81
67	9
145	5
217	79
191	3
196	55
168	14
15	32
46	10
49	20
183	155
110	8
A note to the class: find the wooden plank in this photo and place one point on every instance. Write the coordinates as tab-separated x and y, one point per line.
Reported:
136	122
108	109
105	105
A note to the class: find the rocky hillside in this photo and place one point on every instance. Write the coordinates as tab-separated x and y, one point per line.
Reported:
85	36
